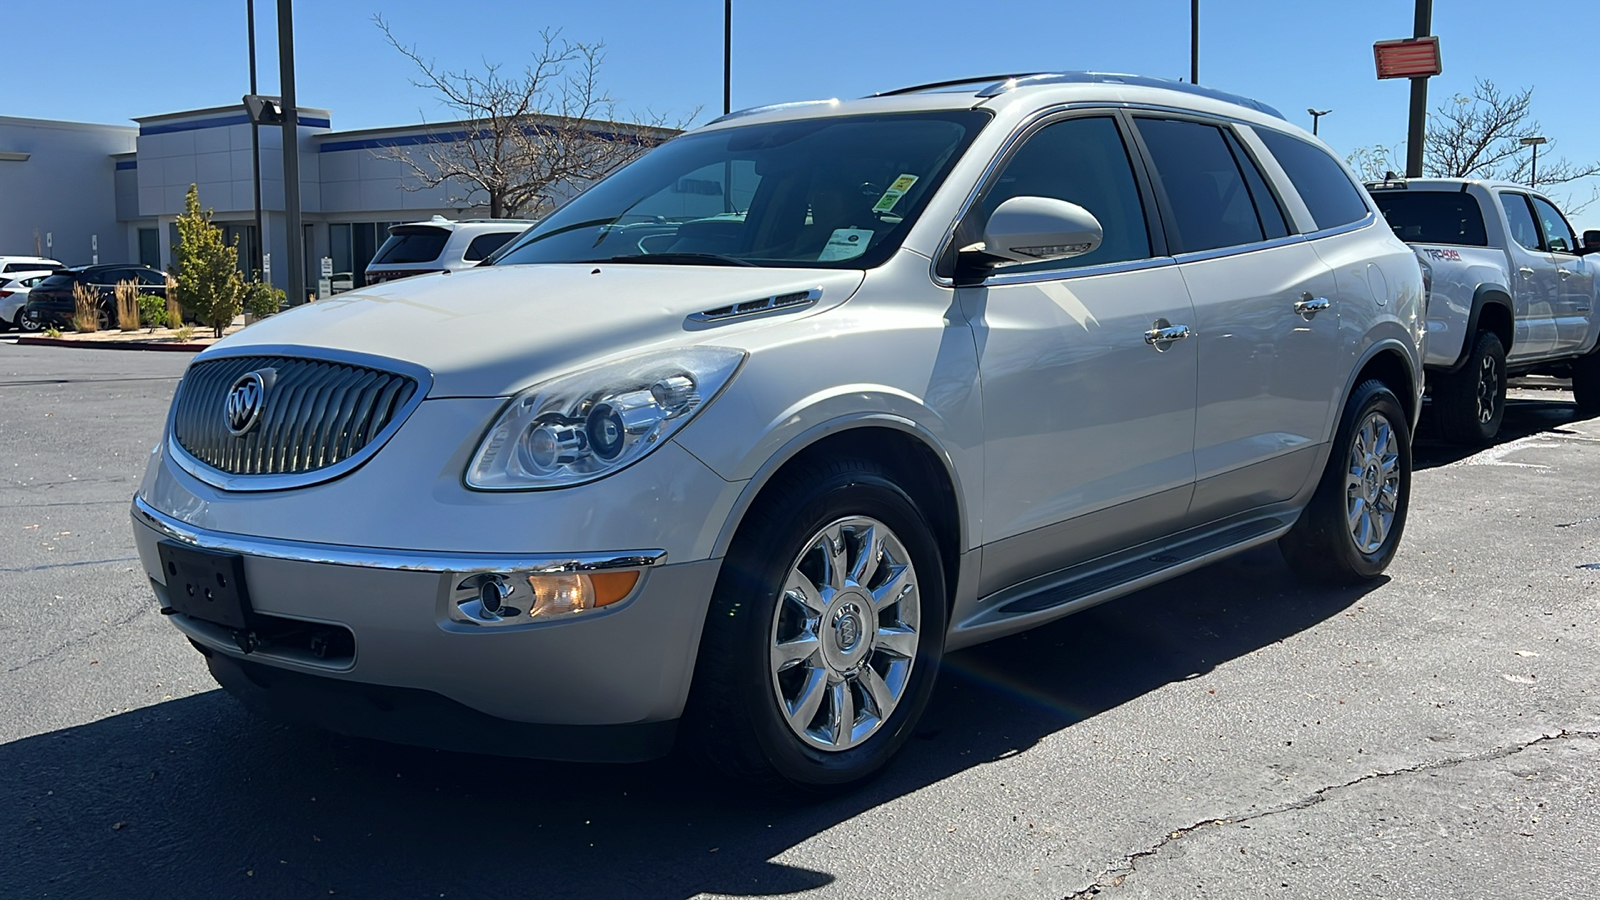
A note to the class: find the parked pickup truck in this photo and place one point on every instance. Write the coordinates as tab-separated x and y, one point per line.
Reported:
1512	293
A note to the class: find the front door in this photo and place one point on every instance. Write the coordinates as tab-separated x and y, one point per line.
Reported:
1088	427
1574	280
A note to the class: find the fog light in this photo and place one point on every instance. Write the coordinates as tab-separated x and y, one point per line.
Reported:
557	594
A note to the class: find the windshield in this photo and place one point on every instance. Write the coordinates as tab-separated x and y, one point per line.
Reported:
822	193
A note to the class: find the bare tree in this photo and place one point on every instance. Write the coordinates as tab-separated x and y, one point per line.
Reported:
1481	137
523	137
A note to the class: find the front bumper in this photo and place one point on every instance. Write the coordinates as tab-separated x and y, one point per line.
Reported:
604	684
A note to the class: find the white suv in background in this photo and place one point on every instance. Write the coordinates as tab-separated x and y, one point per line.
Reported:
11	266
440	245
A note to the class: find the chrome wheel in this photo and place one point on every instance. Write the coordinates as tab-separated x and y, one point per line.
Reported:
845	634
1488	389
1372	482
28	321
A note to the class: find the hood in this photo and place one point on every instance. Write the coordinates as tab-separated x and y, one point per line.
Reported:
490	331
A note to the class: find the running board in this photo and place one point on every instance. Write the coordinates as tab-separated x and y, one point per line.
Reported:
1087	584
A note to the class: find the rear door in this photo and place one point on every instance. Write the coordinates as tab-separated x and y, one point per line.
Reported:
1534	281
1267	326
1574	280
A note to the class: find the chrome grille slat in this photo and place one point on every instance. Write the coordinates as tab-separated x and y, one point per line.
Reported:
317	414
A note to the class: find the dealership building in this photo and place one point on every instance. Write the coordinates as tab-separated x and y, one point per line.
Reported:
84	193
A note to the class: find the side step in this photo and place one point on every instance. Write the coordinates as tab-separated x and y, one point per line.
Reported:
1087	579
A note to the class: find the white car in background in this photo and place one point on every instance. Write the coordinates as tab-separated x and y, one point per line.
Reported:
11	266
440	245
14	288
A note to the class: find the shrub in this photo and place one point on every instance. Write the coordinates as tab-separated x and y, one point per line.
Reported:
262	300
86	316
127	294
174	315
184	334
52	332
153	311
207	270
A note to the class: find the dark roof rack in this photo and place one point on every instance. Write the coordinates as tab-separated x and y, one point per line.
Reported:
984	80
1014	82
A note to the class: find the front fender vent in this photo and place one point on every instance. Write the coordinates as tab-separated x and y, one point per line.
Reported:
793	300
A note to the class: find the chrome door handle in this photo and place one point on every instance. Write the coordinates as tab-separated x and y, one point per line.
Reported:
1309	306
1564	272
1162	336
1525	271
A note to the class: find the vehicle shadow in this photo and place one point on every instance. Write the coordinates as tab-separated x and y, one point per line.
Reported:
1525	416
196	798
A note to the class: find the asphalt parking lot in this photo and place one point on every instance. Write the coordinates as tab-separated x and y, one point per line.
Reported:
1227	734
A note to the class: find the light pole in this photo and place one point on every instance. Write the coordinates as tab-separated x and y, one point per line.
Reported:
727	56
291	156
255	143
1533	172
1419	96
1315	115
1194	41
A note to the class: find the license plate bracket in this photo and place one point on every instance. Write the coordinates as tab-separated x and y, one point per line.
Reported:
206	585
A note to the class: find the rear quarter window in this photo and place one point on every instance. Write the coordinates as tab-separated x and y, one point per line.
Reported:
409	246
485	244
1433	217
1321	182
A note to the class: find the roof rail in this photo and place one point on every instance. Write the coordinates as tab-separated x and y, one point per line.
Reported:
935	85
1017	81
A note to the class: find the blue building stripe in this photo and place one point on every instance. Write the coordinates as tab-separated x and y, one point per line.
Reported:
442	137
127	164
221	122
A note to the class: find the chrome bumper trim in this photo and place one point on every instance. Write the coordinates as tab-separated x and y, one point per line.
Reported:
399	560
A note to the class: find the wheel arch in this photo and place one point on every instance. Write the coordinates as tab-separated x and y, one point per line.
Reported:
1491	310
909	452
1388	362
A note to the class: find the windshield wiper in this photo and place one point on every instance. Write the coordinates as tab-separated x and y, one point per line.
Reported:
686	259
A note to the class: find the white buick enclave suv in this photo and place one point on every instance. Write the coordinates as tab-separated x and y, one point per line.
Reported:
732	448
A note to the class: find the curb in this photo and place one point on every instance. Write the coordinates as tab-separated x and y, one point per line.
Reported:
190	347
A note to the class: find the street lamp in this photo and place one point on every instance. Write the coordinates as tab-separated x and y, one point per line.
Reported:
1533	172
1315	115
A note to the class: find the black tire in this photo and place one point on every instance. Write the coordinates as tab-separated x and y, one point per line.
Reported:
1322	545
1470	403
27	321
733	721
1586	384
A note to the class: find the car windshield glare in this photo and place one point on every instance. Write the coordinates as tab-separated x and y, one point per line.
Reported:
821	193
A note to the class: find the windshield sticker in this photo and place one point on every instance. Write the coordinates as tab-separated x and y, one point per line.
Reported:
846	243
894	193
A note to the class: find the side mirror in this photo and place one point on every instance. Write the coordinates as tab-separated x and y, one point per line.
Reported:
1033	229
1591	242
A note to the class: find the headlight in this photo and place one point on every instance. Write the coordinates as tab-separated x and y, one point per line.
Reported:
581	427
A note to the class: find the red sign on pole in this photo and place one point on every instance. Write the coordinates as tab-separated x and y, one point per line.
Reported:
1409	58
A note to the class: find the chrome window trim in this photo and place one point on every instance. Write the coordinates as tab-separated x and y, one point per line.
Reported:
1236	249
1001	279
1363	222
394	560
228	481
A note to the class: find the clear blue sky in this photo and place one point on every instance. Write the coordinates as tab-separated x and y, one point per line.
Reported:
104	61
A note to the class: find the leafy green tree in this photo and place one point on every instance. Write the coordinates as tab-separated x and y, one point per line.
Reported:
206	271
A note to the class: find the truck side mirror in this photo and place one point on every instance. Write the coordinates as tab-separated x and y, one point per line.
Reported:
1591	241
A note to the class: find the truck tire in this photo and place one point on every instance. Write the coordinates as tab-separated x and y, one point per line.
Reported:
1352	527
1586	384
1471	401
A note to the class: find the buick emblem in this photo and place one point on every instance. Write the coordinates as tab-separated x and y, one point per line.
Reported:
245	400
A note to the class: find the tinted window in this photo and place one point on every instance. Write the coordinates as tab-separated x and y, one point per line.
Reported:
1207	200
485	244
1082	161
1318	178
409	245
1523	231
152	277
1267	209
59	280
1557	235
1433	217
